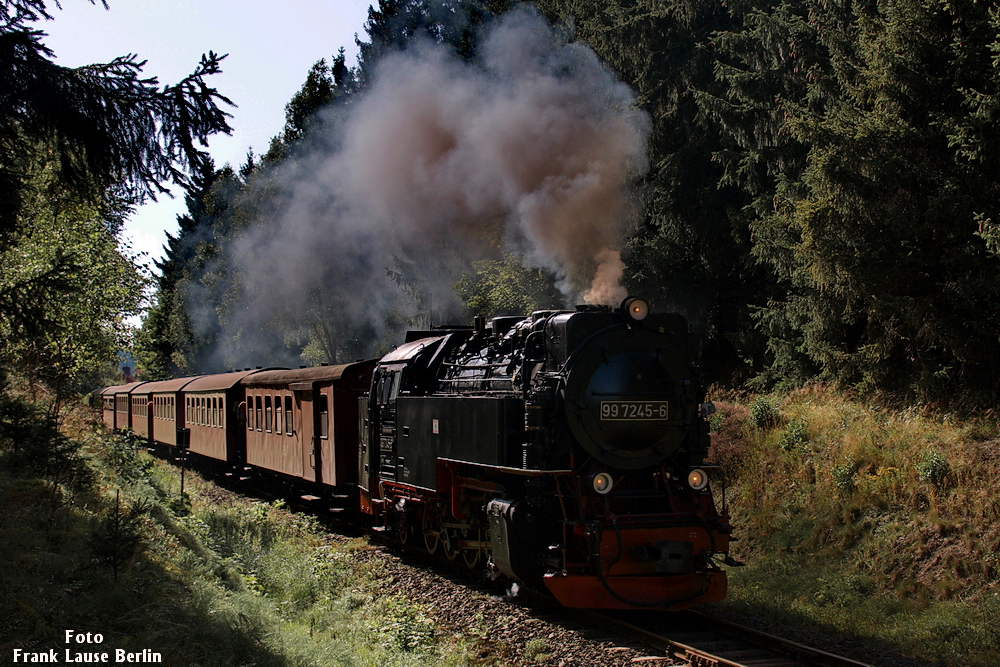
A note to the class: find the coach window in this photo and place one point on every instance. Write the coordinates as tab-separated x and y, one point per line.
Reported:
324	418
277	415
288	415
268	415
215	412
260	414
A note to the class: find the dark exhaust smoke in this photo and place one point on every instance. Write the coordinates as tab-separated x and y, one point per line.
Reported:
535	142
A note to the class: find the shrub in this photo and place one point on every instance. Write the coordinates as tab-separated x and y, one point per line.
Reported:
729	444
119	535
122	453
794	435
715	421
33	443
844	475
933	467
763	414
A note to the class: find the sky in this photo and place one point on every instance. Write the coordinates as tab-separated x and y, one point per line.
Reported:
271	46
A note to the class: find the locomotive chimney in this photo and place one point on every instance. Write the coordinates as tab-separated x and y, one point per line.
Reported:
480	324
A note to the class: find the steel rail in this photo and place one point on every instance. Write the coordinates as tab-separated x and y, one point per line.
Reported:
705	641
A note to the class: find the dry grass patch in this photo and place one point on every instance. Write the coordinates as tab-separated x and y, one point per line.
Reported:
865	521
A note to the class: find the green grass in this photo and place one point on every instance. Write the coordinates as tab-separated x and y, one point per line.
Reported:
861	521
210	579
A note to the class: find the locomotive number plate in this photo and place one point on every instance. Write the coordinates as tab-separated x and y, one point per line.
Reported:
628	410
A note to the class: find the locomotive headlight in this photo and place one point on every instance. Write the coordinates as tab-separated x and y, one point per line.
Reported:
637	309
603	482
697	479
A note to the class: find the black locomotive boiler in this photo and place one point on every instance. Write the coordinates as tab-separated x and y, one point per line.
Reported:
564	449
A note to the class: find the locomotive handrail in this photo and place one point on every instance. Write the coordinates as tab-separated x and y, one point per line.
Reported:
476	366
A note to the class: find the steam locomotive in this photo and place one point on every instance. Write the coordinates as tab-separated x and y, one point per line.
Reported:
564	449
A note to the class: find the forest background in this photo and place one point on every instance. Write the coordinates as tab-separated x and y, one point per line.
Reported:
820	198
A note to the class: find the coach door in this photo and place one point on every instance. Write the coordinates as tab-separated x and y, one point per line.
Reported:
305	429
326	436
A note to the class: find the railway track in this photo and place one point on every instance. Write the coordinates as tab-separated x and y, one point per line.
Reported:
695	637
704	641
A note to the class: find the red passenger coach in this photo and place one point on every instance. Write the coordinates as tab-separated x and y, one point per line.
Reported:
142	415
106	397
116	405
213	411
166	408
304	423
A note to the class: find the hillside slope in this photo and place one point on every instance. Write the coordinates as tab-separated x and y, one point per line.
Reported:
863	522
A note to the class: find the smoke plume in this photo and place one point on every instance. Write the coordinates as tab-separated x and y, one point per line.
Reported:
535	143
538	134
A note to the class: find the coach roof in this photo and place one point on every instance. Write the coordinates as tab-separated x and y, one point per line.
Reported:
122	388
311	374
219	382
164	386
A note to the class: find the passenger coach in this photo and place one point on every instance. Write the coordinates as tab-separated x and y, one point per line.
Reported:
304	424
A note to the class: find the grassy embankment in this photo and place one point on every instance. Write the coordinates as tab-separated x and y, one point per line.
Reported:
863	522
93	537
853	520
